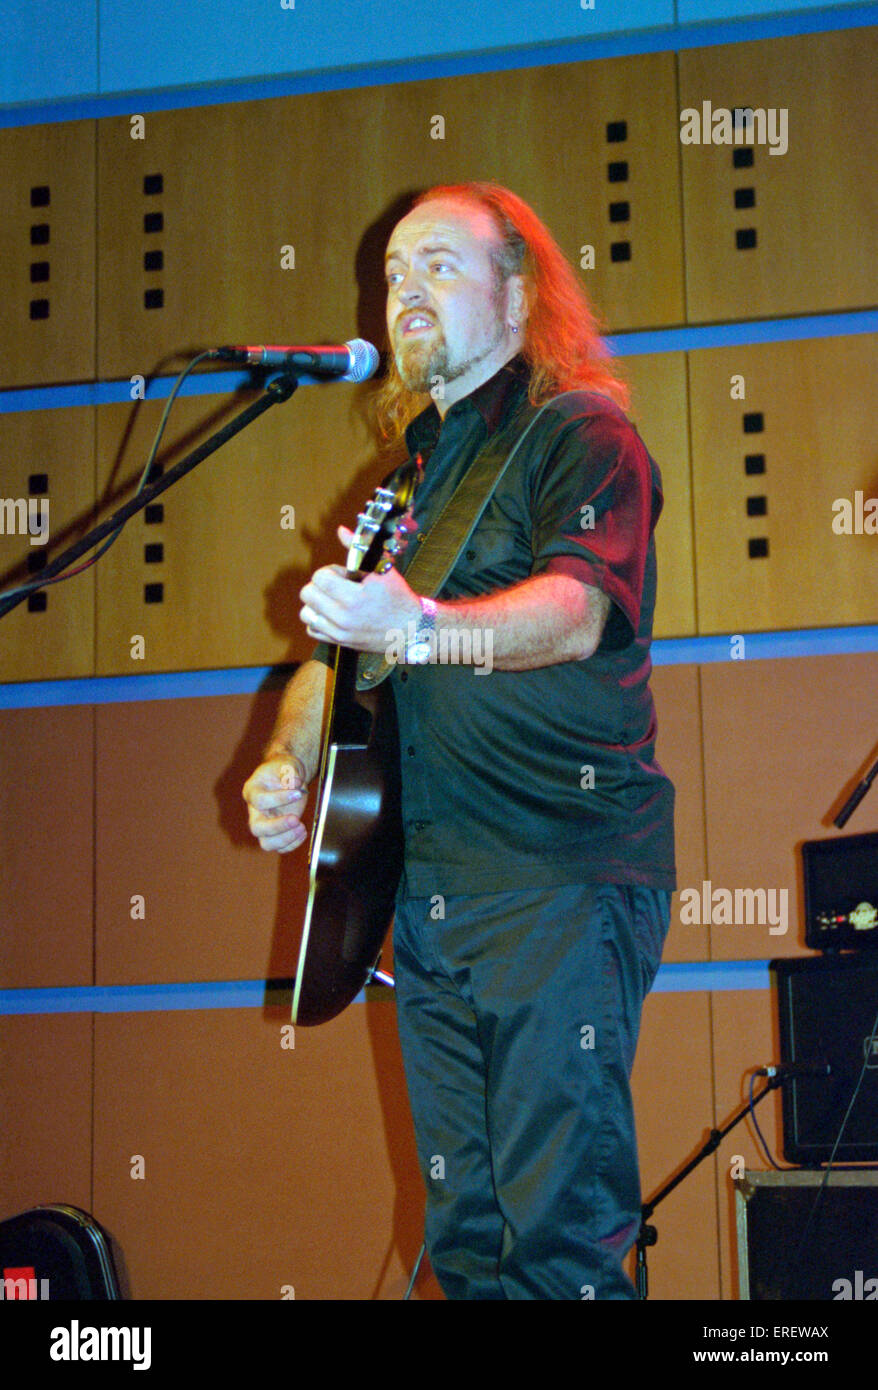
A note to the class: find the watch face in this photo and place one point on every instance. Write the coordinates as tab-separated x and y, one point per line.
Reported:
418	653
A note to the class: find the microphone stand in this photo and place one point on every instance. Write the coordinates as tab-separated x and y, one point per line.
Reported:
855	797
278	390
648	1234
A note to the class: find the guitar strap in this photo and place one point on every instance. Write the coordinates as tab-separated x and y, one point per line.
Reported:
441	546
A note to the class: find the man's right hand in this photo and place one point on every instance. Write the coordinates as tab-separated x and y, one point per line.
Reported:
276	796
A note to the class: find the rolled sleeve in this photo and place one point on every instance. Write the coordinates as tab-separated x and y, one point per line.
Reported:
595	504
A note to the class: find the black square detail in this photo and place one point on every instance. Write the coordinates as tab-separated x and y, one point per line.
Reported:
616	130
153	260
754	422
745	238
36	603
620	251
757	547
153	222
36	561
153	183
39	196
757	506
39	308
620	212
153	593
38	484
154	513
745	197
753	464
617	171
156	470
154	553
742	159
39	234
153	299
39	271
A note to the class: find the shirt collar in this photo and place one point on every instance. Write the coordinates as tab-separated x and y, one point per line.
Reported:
490	401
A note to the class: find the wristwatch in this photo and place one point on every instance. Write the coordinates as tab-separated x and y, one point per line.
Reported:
420	648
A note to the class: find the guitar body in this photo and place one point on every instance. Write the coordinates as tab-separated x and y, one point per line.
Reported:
356	855
355	862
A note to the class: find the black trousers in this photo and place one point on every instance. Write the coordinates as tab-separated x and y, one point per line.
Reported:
518	1019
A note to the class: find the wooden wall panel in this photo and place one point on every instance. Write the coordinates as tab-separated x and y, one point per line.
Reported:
46	847
659	409
673	1106
677	698
45	1104
230	570
320	172
47	227
785	742
818	446
813	207
264	1165
216	905
57	640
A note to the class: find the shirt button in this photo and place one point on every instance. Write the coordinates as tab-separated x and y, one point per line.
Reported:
403	675
410	750
470	554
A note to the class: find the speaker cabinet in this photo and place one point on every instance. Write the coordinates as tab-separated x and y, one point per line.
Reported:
828	1009
798	1242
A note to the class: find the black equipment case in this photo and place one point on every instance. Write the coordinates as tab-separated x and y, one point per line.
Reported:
58	1253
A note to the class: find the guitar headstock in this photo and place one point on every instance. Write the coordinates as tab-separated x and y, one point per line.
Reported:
385	516
371	522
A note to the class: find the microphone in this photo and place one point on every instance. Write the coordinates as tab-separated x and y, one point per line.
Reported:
353	361
788	1070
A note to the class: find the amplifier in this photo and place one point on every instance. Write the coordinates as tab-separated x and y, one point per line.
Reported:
841	892
789	1251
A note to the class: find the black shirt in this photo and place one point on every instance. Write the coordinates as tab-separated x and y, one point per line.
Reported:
525	779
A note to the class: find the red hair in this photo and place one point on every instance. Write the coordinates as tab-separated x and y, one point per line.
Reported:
562	339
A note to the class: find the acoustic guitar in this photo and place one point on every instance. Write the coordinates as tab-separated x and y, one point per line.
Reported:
356	850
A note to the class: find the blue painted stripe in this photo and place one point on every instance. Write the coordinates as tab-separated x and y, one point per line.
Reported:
765	646
678	977
669	38
112	392
158	388
251	994
697	337
693	338
114	999
246	680
167	685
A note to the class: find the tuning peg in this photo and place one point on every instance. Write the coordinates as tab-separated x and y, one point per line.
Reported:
404	529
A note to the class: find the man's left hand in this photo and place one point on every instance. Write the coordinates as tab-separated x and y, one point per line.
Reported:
362	614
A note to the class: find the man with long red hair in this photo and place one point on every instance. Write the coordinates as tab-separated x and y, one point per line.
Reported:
539	860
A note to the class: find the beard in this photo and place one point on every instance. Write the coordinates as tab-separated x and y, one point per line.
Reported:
421	361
